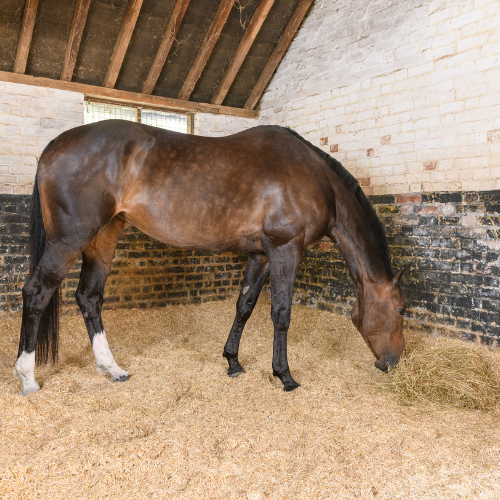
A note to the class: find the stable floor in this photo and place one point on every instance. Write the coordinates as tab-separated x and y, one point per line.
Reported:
181	429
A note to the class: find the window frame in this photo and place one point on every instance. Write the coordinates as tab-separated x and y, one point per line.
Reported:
140	107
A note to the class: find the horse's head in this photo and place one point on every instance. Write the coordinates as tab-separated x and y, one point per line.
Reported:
378	315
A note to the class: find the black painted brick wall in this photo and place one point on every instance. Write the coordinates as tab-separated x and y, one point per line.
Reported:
454	241
453	289
145	273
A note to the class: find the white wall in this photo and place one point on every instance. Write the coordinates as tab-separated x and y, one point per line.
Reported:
220	125
30	117
405	93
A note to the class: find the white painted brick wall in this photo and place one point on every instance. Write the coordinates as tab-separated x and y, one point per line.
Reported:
219	125
407	91
30	117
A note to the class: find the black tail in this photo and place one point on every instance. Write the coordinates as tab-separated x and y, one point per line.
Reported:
48	331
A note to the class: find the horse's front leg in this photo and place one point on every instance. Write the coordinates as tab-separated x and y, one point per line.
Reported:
256	273
284	262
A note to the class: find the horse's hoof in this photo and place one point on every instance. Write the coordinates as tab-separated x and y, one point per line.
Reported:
235	374
291	387
30	390
121	378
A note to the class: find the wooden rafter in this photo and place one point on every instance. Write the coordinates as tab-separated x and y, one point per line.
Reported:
241	52
278	52
75	38
122	42
165	45
125	96
206	48
23	46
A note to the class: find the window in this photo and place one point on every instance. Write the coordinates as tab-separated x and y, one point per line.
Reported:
96	111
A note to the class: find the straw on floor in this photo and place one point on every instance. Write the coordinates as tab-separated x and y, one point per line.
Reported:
181	429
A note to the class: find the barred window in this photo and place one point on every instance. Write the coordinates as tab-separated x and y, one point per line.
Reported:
96	110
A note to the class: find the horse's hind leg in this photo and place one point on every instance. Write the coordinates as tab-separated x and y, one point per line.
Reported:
37	292
97	258
256	273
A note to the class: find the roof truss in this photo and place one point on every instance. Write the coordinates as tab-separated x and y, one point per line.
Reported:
106	89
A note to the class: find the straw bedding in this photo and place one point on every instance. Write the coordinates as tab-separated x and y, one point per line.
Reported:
181	429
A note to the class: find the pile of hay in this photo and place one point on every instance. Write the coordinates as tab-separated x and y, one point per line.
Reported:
447	373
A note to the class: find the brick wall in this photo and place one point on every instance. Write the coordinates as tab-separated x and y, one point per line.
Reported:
145	273
219	125
405	94
30	117
454	241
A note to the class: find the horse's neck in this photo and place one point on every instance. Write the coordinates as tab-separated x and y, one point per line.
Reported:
359	246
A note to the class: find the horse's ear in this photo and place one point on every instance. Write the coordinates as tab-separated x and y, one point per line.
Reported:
400	274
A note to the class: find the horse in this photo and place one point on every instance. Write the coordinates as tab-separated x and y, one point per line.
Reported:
266	191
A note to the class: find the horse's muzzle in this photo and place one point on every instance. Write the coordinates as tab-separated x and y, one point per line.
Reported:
386	361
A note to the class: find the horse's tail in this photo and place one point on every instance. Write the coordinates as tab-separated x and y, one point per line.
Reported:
48	331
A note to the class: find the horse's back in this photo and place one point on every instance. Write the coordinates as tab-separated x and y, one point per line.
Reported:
186	190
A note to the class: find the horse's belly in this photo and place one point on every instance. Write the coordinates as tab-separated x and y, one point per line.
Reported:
188	234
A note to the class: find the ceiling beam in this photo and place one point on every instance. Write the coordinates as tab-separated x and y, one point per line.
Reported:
75	38
122	42
278	52
165	45
206	48
125	96
241	52
23	45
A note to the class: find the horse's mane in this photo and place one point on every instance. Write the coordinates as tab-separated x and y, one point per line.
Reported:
353	186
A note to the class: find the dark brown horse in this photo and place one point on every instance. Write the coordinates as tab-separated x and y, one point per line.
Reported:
265	191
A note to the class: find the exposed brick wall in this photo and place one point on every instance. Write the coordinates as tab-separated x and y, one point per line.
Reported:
406	94
145	273
454	241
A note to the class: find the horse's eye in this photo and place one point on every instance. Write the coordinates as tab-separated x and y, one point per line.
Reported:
402	312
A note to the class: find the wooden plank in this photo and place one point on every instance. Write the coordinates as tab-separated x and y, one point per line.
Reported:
165	45
125	96
278	52
241	52
206	48
23	46
122	42
75	38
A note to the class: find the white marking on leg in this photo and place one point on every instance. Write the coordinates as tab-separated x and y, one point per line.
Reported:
245	289
104	358
25	370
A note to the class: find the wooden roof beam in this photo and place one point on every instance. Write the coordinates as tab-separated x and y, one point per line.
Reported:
165	46
125	96
251	32
122	42
206	48
23	46
278	53
75	38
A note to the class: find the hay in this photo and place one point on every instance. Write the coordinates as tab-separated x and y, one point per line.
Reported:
181	429
447	373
